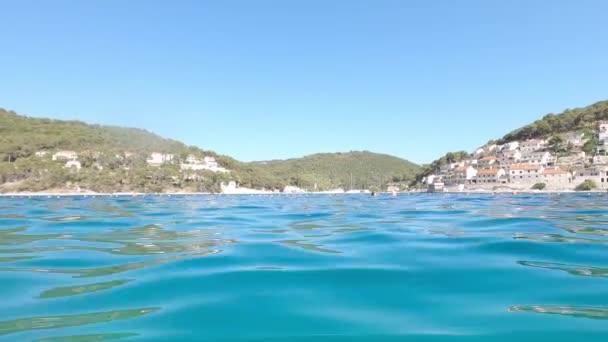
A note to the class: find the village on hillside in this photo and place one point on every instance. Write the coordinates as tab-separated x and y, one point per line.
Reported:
557	164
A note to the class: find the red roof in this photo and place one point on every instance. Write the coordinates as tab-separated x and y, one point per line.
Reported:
555	172
525	167
488	172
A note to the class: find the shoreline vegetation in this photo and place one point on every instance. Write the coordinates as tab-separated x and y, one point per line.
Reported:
269	193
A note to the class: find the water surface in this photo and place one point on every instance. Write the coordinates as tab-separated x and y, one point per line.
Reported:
305	268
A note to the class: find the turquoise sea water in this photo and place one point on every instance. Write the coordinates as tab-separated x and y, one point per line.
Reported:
305	268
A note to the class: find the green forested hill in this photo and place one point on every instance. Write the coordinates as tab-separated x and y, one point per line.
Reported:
114	159
569	120
333	170
21	137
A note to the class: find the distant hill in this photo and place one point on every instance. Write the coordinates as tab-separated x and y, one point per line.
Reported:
334	170
113	159
105	146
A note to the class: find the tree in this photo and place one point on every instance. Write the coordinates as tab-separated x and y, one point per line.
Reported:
539	186
556	144
590	146
587	185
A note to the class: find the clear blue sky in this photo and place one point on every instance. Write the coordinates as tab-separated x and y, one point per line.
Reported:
273	79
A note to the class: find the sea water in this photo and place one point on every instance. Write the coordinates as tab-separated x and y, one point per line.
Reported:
425	267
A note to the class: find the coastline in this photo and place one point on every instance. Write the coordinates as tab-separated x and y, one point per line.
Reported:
51	194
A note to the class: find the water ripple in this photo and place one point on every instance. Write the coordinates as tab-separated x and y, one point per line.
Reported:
309	267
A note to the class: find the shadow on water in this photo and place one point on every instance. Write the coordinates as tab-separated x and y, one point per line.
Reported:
88	338
574	311
557	238
572	269
82	289
56	322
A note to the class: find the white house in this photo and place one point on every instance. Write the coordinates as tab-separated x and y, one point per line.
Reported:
539	157
508	157
208	163
556	176
510	146
445	168
65	155
531	145
489	176
73	164
597	174
479	151
430	179
41	153
157	159
525	173
462	175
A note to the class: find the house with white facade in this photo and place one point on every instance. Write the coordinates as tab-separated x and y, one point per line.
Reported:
539	157
41	153
456	165
208	163
462	175
510	146
157	158
525	173
445	168
65	155
596	174
73	164
430	179
532	145
556	176
506	158
490	176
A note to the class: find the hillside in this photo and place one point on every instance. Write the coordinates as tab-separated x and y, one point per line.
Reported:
551	127
334	170
113	159
570	120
